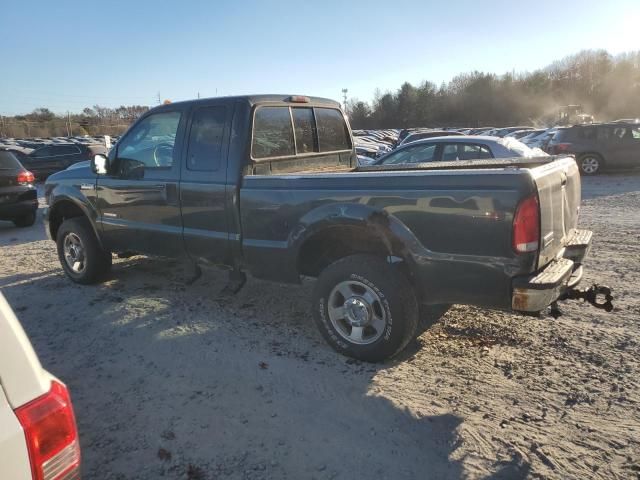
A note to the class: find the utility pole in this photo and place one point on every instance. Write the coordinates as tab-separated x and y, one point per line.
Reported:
159	98
3	132
344	96
198	94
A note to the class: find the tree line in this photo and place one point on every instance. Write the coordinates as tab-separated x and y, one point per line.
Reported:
606	86
97	120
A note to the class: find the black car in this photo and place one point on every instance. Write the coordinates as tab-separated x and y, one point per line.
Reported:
18	196
53	158
601	146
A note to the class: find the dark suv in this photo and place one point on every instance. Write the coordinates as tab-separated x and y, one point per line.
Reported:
599	147
52	158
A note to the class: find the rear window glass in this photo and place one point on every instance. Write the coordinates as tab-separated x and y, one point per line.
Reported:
332	130
205	139
411	154
316	130
305	128
518	148
8	161
272	133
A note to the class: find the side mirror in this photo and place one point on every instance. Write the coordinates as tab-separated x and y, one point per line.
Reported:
100	164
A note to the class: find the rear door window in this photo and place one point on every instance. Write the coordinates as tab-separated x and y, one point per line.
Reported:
618	133
206	139
475	152
450	152
604	133
332	130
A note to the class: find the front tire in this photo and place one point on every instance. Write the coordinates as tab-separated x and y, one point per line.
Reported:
365	308
81	256
25	220
590	164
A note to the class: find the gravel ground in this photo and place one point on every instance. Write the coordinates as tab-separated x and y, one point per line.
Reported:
178	382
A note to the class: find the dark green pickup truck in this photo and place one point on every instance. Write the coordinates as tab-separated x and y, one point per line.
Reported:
269	185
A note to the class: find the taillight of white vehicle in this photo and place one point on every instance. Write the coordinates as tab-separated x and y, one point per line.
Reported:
52	437
526	226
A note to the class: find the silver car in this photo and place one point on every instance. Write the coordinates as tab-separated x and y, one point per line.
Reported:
447	149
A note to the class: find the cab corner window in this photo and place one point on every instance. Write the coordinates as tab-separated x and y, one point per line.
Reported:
151	142
206	139
332	130
272	133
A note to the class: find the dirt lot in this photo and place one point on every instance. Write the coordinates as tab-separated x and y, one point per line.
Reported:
177	382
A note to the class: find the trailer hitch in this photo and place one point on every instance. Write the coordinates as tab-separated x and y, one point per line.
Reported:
590	295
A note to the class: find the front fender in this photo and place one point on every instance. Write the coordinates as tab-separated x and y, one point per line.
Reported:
66	200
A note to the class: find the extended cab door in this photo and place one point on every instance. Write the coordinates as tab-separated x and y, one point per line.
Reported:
203	185
138	204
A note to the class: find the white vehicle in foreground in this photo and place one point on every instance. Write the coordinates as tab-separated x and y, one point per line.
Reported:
38	434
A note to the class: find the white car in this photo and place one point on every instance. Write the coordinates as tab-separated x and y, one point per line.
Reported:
38	434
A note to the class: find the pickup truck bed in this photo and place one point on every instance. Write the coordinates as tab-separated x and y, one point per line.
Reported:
273	190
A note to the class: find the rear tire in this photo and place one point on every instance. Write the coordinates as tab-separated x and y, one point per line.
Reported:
25	220
81	256
590	164
365	308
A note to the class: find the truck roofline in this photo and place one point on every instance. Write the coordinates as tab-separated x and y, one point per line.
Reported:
253	100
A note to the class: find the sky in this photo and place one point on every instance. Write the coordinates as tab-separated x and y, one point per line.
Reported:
67	55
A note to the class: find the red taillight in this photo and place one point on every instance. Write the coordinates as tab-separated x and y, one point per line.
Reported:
559	148
52	438
526	226
25	177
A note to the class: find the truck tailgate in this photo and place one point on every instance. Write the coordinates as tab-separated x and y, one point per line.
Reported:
559	194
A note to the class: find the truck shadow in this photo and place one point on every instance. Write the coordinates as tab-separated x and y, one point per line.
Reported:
168	380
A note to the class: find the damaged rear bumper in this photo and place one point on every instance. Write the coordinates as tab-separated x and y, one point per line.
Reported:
533	293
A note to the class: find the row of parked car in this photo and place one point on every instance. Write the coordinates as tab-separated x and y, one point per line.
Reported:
44	157
596	146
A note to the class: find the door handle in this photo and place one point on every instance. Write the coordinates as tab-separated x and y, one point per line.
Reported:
160	186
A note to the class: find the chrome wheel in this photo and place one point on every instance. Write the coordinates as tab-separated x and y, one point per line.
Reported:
74	253
357	312
590	165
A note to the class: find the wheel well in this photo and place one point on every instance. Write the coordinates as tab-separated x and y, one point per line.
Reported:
335	243
60	212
